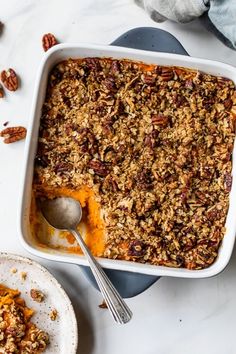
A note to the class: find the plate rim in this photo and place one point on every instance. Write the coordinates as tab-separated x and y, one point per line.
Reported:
29	261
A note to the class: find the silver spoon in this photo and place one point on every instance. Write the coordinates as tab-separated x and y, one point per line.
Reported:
65	214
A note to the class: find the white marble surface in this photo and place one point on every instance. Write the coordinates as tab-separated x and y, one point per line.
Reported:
175	316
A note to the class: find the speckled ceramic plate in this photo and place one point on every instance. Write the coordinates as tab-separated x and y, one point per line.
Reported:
63	331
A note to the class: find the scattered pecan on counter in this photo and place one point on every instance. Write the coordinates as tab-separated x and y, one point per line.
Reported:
13	134
10	79
48	41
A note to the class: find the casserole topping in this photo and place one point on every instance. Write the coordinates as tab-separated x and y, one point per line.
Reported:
147	151
17	333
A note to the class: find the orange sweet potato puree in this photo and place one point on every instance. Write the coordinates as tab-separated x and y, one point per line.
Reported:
9	296
94	234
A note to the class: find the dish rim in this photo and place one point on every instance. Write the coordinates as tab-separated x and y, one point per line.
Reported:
123	52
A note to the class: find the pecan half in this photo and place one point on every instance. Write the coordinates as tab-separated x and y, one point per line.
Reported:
9	79
98	167
48	41
1	92
160	119
167	74
13	134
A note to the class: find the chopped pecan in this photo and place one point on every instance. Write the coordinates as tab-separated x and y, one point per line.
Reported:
109	83
110	184
11	331
1	91
149	79
160	119
208	103
37	295
202	197
107	125
115	67
213	214
228	181
93	64
184	194
48	41
9	79
151	139
13	134
179	100
189	84
99	168
136	248
144	179
62	167
228	103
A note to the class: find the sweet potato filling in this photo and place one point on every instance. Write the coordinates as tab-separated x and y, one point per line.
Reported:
93	230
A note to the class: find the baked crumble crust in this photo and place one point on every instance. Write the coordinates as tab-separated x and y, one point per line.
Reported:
154	144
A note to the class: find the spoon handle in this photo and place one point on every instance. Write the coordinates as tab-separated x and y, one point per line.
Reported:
117	306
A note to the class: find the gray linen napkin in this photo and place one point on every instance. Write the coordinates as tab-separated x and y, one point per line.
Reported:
221	17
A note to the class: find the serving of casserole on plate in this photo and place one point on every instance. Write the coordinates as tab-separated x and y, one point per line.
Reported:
36	314
145	144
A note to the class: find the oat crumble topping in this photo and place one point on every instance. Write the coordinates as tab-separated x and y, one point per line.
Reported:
154	144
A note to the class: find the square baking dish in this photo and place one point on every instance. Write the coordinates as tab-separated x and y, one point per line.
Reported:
65	51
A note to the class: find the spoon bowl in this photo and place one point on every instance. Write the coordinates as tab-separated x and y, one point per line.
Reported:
62	213
65	214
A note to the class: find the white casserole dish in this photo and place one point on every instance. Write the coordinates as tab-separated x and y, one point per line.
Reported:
65	51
